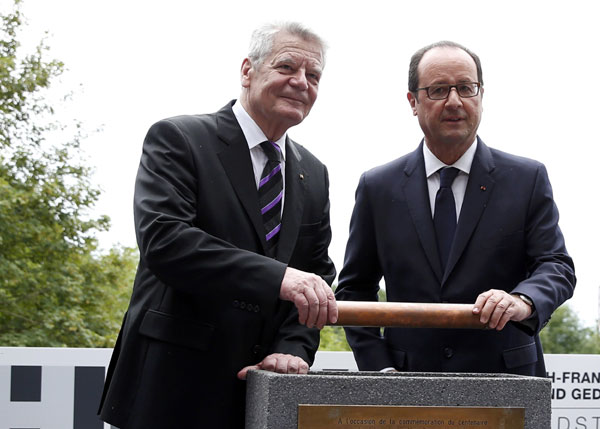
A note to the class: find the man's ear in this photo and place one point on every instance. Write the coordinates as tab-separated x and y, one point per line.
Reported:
246	72
412	99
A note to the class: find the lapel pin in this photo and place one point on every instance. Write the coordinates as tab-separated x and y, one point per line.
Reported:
301	176
483	188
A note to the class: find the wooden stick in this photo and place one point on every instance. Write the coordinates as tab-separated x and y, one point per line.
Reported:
407	315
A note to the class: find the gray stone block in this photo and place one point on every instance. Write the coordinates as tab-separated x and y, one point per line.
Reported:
272	399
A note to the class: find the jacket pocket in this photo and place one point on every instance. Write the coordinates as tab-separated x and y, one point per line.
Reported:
165	327
519	356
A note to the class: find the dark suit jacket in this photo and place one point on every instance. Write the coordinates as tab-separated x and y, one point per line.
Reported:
205	300
507	238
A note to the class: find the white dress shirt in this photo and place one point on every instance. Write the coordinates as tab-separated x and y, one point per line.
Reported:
459	186
254	137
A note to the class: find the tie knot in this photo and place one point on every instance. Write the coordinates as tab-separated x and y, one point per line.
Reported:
447	176
271	150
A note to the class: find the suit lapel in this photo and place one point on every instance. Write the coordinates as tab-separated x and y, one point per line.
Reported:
479	188
417	199
295	179
235	158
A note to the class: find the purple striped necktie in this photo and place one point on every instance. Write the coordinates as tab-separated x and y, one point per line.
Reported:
270	194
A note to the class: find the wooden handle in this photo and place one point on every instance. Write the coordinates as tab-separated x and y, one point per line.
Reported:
407	315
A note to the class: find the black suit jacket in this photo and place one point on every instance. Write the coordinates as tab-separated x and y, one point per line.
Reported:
205	300
507	238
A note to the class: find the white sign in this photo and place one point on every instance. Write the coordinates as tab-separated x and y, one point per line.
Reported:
575	391
575	387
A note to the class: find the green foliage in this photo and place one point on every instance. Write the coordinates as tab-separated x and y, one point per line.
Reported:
564	334
55	288
21	83
333	339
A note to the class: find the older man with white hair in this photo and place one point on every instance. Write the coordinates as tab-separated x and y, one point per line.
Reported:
232	222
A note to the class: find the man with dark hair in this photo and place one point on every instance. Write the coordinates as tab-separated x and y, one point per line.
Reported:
232	222
456	222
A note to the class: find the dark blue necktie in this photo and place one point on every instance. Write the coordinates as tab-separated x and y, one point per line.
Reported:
270	194
444	217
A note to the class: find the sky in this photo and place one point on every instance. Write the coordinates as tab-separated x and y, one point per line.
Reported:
132	63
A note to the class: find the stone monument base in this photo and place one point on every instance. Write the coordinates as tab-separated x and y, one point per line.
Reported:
461	400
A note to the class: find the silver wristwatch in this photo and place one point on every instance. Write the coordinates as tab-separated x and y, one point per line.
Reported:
525	299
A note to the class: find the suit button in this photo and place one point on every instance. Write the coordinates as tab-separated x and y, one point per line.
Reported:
448	352
256	349
236	303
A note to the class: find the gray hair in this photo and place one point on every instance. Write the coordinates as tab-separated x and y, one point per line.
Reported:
261	42
413	72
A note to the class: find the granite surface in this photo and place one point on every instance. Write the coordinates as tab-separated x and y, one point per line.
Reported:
272	399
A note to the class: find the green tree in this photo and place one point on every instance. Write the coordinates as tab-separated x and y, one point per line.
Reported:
565	334
333	339
56	288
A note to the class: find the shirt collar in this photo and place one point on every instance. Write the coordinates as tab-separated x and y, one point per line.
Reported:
432	164
252	132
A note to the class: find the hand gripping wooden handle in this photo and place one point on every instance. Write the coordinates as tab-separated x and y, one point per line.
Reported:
407	315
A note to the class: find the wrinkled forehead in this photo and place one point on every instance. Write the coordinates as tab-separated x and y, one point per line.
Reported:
285	44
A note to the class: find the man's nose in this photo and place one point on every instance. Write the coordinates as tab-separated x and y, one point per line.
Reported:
453	99
298	80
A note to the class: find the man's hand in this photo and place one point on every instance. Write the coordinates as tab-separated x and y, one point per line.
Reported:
497	308
312	297
278	362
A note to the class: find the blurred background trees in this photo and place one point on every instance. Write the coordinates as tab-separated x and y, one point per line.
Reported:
564	334
56	287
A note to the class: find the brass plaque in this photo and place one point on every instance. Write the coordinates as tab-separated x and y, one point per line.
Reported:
401	417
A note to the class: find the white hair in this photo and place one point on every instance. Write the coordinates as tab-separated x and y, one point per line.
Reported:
261	42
